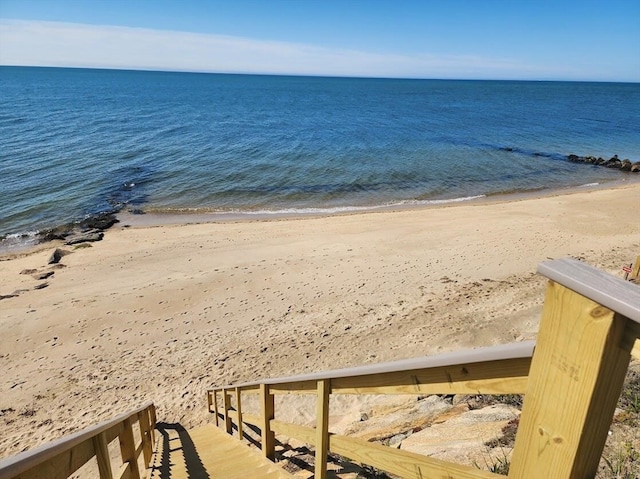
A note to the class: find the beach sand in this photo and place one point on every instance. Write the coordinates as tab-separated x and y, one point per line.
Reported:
163	313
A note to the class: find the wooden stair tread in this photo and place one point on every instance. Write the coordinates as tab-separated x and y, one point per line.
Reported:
207	452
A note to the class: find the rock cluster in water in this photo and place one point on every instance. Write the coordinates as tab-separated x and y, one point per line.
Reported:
613	162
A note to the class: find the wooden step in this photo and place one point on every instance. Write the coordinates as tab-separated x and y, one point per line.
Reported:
208	452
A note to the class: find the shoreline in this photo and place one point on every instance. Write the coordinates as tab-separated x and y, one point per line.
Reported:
153	218
163	313
126	218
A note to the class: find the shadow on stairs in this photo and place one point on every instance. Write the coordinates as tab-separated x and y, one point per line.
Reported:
207	453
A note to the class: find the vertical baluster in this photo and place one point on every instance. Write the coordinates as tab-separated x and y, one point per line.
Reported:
239	408
227	407
268	437
128	449
322	428
215	407
102	456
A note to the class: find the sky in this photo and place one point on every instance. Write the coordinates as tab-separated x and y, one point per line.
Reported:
585	40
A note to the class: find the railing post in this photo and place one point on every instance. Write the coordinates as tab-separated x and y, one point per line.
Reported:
152	424
322	428
227	408
145	432
635	272
239	409
128	448
215	407
268	437
102	456
577	372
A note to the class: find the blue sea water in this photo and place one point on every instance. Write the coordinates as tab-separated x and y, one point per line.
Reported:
74	142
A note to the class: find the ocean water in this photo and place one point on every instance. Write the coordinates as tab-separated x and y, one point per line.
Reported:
75	142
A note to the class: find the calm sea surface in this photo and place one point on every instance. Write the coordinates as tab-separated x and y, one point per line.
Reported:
74	142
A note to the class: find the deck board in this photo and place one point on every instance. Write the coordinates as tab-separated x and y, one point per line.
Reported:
208	452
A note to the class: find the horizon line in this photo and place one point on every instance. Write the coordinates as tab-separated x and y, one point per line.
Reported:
307	75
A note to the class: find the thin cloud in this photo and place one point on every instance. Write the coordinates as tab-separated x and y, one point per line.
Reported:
37	43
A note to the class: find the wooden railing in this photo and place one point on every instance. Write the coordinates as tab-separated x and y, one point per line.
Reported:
61	458
572	381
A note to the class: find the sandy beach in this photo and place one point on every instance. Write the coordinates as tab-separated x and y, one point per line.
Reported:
162	313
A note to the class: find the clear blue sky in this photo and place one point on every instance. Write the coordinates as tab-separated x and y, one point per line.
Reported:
557	40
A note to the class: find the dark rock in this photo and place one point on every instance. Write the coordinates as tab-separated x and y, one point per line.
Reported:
41	286
28	271
57	233
88	236
99	222
57	255
136	211
43	275
7	296
613	163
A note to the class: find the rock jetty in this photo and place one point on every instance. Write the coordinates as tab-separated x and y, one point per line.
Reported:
613	162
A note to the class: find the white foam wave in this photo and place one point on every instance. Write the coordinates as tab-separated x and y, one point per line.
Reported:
25	235
347	209
442	202
587	185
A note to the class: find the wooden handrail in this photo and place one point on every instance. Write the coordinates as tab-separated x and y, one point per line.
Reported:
14	466
614	293
571	380
519	350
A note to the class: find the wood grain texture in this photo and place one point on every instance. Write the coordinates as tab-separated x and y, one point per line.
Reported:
635	271
145	432
215	408
613	293
306	383
102	456
508	376
227	409
405	464
29	460
252	419
267	410
128	448
322	428
239	409
124	472
302	433
577	374
207	452
62	465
